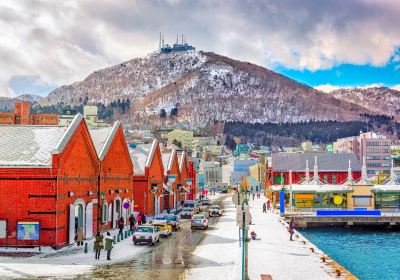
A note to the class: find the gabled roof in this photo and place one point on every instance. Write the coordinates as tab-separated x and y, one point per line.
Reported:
282	162
139	156
182	160
168	159
103	137
142	156
34	145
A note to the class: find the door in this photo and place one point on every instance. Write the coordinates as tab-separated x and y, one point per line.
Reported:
71	224
89	220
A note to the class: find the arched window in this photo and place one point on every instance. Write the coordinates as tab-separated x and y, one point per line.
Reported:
104	213
326	179
334	179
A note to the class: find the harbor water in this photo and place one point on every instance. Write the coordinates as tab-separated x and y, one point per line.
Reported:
367	253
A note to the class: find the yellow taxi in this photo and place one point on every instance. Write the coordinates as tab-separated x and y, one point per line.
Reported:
164	227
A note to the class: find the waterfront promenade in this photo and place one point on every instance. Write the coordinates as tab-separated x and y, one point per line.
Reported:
275	255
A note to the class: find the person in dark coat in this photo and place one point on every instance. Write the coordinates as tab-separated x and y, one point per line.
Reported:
291	229
121	225
98	244
143	218
264	207
108	245
132	222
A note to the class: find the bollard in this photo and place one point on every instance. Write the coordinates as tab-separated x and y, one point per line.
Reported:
122	236
114	241
118	240
126	234
86	248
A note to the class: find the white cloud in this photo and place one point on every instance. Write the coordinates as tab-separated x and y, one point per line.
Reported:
396	87
329	88
61	42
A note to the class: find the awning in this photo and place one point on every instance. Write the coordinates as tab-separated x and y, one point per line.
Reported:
314	188
389	189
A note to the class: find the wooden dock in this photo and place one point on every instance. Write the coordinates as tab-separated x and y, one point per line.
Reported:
323	221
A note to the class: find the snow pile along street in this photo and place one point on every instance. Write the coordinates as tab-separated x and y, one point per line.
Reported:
219	251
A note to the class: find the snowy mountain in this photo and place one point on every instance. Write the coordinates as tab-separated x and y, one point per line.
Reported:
205	87
7	103
379	100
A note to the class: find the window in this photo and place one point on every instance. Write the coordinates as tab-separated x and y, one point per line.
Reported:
333	179
386	158
371	171
362	201
386	164
326	179
104	212
374	164
373	157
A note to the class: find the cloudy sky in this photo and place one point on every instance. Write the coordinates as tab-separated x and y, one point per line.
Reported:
324	43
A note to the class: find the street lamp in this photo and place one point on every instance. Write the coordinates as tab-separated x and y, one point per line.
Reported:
246	196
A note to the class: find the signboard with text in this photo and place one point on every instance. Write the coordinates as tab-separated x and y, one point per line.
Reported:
28	230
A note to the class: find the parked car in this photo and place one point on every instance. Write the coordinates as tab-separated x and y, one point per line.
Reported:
215	210
187	212
191	204
205	201
199	221
164	227
174	220
146	234
224	191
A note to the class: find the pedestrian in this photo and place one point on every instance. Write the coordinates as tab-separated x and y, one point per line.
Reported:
108	245
268	204
143	218
264	207
98	244
253	195
291	229
79	237
132	222
139	218
121	225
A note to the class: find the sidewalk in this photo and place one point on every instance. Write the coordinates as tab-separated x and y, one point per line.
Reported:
274	254
68	261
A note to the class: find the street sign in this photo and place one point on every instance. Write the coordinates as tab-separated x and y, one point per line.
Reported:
239	218
235	198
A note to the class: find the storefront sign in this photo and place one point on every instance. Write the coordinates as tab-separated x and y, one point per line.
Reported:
304	200
28	230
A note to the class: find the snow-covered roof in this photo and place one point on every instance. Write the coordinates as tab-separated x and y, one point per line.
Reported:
386	188
33	145
282	162
314	188
140	157
181	161
102	138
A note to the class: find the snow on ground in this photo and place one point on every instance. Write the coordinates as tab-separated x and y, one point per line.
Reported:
220	248
68	261
274	254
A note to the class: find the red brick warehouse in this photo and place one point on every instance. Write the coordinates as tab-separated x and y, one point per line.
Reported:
172	173
49	175
116	170
148	179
